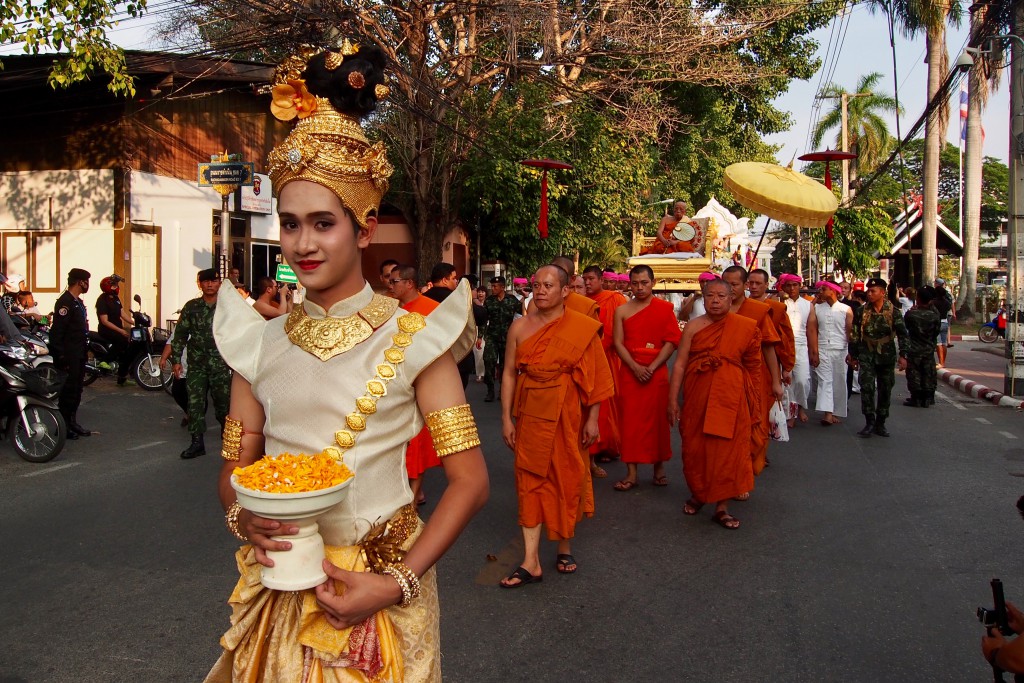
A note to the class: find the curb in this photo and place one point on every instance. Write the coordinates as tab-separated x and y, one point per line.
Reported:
963	337
976	390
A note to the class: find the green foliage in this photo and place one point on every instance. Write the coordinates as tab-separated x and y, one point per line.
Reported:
868	135
76	29
859	235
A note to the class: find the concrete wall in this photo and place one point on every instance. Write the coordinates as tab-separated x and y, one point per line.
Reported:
78	206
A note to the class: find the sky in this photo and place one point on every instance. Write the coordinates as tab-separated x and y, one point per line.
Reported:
864	49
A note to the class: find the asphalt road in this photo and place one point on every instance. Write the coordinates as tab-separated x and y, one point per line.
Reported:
858	560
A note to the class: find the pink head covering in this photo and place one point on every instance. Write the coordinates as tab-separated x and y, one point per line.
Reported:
519	280
706	276
786	278
609	275
622	277
831	285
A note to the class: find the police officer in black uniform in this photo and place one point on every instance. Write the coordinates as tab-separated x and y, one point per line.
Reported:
69	339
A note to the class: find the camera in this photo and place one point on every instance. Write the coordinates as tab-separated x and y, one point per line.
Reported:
996	617
292	286
116	279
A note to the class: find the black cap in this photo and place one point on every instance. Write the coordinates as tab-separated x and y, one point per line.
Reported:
875	282
208	274
498	280
76	274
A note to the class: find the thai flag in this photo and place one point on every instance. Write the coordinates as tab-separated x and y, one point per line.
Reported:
963	110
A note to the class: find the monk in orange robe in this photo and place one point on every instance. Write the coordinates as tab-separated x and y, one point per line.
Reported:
645	335
608	444
718	367
785	351
576	301
771	389
556	374
666	242
420	454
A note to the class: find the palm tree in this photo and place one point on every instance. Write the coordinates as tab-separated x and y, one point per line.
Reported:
869	136
929	17
983	78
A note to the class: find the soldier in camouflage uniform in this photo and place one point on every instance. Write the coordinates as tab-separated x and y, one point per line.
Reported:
207	371
876	325
501	310
923	325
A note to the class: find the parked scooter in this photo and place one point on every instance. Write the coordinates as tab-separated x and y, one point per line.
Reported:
28	406
144	360
994	329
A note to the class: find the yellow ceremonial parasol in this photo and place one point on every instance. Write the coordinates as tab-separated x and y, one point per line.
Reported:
781	193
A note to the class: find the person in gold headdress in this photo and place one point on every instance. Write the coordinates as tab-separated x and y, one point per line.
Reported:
351	375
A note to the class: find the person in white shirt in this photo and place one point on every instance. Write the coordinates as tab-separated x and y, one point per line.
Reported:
828	338
799	311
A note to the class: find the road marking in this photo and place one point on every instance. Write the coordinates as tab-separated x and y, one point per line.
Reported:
145	445
1008	435
950	401
982	420
54	469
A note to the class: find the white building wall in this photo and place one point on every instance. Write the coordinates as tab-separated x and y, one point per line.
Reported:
184	212
79	206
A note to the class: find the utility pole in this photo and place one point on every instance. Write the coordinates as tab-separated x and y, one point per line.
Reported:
1014	381
844	110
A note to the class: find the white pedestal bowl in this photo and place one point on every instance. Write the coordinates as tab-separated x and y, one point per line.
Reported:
302	566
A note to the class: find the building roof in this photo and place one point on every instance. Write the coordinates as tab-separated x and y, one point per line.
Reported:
908	225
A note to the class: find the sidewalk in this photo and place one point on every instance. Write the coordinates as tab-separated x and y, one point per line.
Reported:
978	369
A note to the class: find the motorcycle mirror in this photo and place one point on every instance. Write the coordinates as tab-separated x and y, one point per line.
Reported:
138	299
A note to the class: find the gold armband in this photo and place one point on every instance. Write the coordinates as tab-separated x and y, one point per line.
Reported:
453	430
232	438
231	519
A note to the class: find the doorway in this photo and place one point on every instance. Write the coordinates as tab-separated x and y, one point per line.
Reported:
145	268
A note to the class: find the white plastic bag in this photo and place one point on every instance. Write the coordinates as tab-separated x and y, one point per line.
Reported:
777	426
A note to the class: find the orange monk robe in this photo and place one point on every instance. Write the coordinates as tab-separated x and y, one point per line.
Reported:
657	247
760	313
721	405
646	434
608	422
582	304
560	369
420	455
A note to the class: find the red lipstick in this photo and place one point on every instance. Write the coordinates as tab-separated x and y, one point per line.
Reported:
309	265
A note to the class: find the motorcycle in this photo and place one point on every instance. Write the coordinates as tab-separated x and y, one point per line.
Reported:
144	360
28	406
994	329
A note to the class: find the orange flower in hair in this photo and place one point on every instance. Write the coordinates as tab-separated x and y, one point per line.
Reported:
291	99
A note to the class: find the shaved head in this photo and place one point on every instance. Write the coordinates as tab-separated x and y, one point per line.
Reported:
740	270
560	273
566	264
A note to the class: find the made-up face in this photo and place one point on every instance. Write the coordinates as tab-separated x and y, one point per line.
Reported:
321	242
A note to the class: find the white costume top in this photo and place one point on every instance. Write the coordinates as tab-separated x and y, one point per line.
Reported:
798	311
832	325
306	400
698	308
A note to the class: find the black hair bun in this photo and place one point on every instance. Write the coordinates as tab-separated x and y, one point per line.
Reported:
351	88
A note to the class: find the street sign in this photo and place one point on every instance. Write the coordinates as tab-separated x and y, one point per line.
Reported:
285	273
230	173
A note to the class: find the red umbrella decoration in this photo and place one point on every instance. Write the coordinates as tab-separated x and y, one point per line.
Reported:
827	156
542	225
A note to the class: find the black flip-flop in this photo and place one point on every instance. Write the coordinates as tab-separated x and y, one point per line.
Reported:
524	577
562	561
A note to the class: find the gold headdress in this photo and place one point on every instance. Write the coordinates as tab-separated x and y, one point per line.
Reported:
326	147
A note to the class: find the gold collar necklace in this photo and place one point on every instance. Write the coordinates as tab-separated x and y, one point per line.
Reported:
328	337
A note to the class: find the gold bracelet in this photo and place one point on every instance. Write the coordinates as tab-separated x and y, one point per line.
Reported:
231	519
231	448
407	581
452	429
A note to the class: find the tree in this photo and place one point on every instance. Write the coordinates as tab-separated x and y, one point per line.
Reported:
929	17
868	133
461	64
982	78
77	28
